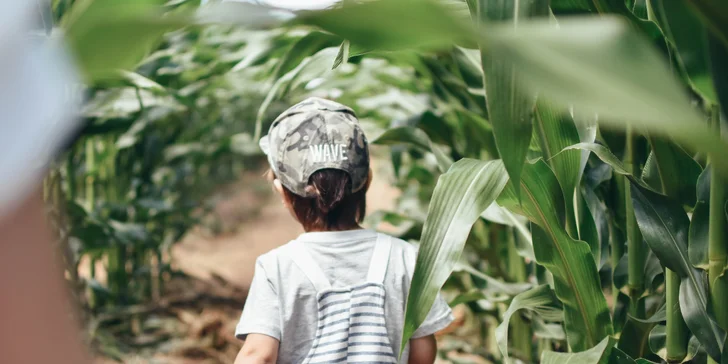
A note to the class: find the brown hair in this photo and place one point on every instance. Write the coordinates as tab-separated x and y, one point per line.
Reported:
333	208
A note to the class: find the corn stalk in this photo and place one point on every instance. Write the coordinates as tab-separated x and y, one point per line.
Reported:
717	244
636	249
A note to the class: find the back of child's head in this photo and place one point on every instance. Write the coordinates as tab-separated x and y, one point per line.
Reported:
333	206
320	155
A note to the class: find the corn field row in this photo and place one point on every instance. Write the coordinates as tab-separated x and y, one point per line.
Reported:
561	162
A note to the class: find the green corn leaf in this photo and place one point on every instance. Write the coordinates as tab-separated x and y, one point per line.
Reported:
650	174
653	271
718	62
510	107
599	354
570	261
105	36
451	90
714	14
497	214
510	114
467	297
394	24
593	178
598	214
634	339
698	248
664	226
544	330
719	289
308	69
477	135
657	339
307	46
246	14
494	287
575	6
604	154
678	172
416	138
348	50
697	317
470	65
436	127
694	349
587	126
660	316
557	131
587	228
597	65
460	196
546	54
645	361
601	65
115	125
133	79
565	7
688	35
536	299
620	357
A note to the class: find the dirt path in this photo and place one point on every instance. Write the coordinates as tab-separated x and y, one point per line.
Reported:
262	224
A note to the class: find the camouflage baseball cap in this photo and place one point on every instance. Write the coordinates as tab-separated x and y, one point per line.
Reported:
312	135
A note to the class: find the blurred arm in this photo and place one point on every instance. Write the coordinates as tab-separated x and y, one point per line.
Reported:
423	350
35	310
258	349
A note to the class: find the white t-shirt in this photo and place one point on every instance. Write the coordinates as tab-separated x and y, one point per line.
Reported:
282	302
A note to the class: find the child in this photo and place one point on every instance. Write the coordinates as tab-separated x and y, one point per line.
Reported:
337	293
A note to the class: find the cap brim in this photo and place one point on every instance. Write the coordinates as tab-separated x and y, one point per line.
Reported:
264	144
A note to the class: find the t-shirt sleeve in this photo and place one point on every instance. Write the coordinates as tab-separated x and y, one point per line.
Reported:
440	317
261	314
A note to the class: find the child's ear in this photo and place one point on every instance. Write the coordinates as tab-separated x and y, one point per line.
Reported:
278	186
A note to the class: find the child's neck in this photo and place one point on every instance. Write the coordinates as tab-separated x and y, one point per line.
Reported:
317	230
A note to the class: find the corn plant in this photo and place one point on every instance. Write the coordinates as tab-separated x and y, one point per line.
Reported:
607	127
568	154
164	122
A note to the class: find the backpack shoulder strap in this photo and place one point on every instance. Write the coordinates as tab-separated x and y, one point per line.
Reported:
380	259
300	256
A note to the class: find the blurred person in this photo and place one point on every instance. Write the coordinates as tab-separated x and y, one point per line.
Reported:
36	119
338	292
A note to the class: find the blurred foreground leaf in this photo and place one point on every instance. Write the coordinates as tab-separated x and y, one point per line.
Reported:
394	24
107	35
602	65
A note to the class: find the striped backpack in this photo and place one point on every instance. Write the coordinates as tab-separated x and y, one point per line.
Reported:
351	320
